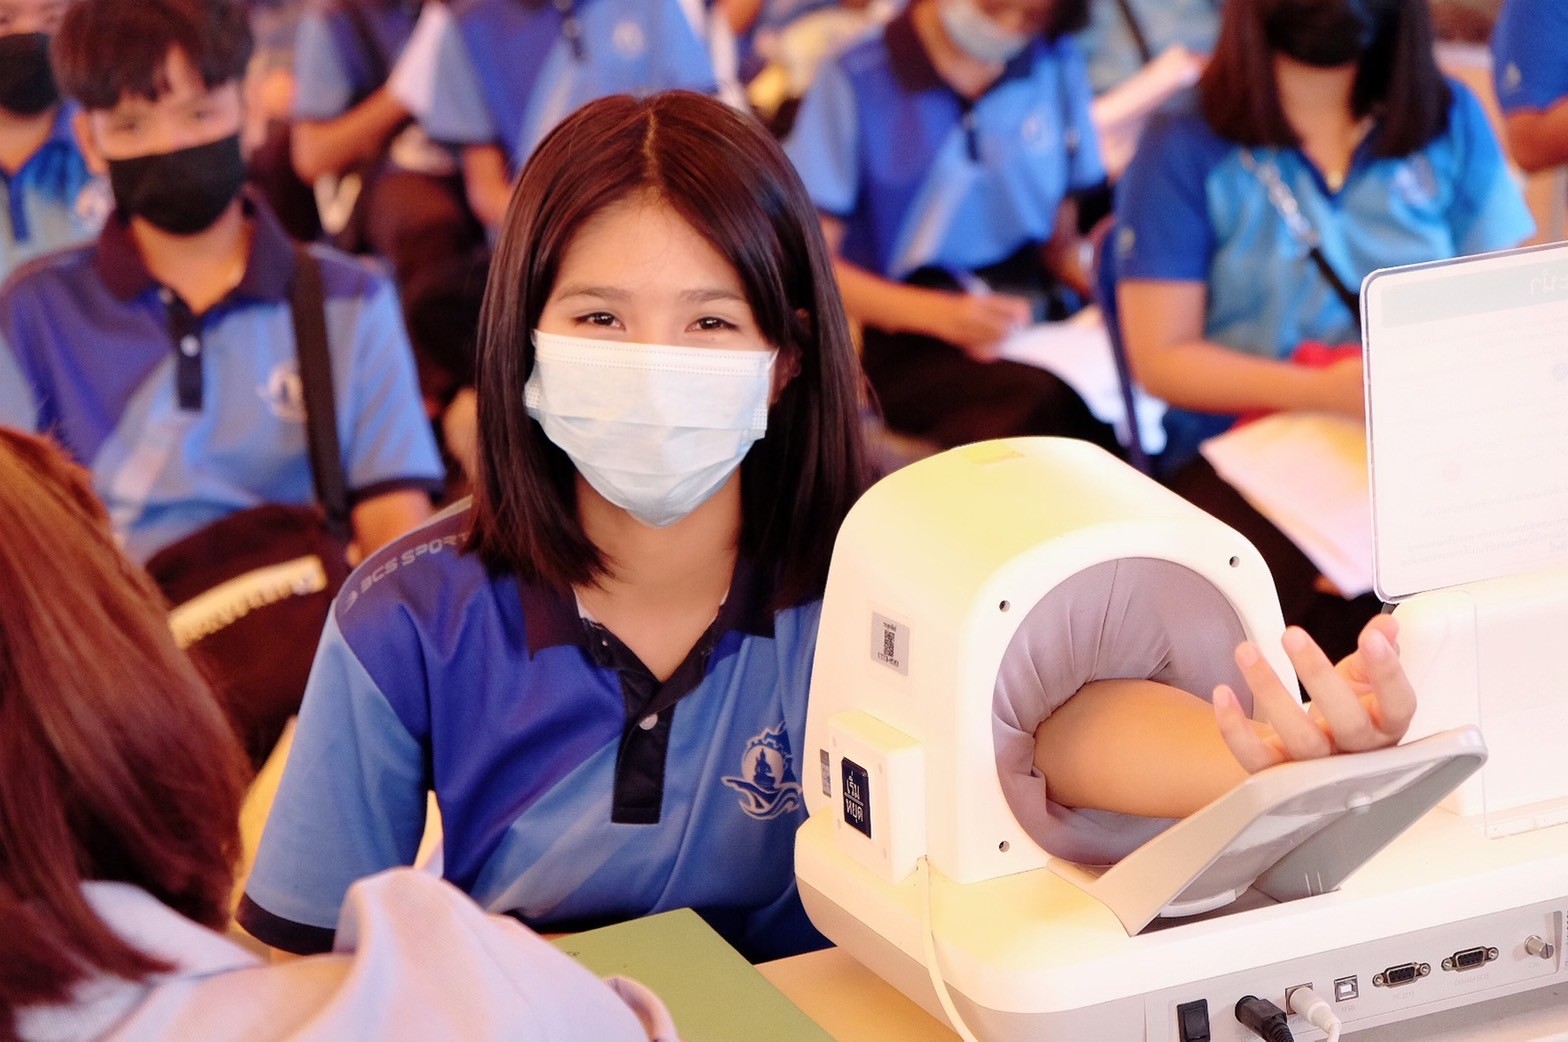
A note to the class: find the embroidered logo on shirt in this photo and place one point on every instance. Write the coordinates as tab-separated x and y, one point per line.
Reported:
284	393
767	784
1416	182
628	39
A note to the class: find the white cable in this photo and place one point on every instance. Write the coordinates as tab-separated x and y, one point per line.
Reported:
1316	1010
938	982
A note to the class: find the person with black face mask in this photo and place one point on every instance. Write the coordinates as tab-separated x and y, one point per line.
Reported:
46	190
161	354
1316	121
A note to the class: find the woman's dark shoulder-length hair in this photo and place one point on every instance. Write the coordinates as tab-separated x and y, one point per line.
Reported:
729	180
1067	17
1397	81
116	762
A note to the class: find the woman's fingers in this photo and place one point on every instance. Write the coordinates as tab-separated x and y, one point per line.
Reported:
1246	745
1351	727
1300	738
1395	699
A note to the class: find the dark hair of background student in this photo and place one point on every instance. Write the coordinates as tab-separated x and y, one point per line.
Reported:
1397	81
1066	17
727	178
116	762
107	50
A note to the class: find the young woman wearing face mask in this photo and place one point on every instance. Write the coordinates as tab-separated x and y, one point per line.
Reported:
941	154
1338	105
600	666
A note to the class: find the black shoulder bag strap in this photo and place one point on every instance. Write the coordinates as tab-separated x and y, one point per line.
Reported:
1140	38
308	303
1284	201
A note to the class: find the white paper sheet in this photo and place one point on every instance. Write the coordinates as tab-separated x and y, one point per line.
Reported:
1079	351
1307	473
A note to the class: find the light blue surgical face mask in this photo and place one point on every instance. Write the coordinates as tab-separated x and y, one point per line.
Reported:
977	35
655	430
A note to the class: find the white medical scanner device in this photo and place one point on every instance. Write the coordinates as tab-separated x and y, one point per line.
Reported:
971	594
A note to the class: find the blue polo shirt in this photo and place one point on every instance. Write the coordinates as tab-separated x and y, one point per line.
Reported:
1530	54
507	71
1188	210
186	419
1113	49
921	175
344	51
575	788
52	201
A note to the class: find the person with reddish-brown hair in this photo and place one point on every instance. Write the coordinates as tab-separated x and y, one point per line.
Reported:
120	787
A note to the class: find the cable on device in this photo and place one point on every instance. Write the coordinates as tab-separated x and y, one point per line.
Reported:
933	968
1264	1019
1316	1010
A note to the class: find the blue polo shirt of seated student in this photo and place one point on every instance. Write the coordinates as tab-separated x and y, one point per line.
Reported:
1189	210
507	71
51	201
185	419
575	788
1112	47
344	51
1530	54
921	176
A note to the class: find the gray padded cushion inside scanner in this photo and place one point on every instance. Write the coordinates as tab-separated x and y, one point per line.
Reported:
1136	617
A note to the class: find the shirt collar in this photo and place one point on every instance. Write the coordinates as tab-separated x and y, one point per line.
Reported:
551	619
914	70
268	269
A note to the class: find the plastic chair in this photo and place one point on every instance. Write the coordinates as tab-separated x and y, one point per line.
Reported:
1103	286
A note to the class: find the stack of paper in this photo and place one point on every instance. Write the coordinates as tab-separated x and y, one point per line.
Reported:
1307	473
1079	351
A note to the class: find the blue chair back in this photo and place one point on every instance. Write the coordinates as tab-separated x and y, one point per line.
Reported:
1103	283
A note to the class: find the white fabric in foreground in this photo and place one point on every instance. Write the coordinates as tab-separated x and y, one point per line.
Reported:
414	960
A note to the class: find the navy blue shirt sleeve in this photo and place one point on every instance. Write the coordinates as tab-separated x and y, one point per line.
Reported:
1162	212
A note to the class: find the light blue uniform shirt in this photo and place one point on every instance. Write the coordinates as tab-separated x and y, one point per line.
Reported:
1530	54
340	58
1189	210
920	175
1113	49
87	355
52	201
506	73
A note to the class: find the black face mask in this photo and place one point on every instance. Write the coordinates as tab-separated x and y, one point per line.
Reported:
1324	33
27	85
180	192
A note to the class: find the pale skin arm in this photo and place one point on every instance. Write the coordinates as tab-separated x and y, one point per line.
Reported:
331	146
1139	747
1162	323
486	183
380	519
1538	139
975	324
